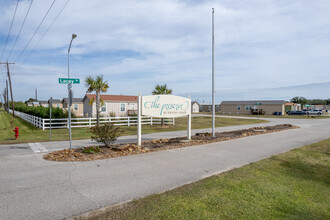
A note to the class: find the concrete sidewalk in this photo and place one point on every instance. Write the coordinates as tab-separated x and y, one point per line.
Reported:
33	188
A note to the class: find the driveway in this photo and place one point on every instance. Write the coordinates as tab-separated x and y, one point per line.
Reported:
33	188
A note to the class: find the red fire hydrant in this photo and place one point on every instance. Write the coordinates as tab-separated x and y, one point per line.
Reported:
16	130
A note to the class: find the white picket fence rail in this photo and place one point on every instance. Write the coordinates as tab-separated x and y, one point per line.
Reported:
45	123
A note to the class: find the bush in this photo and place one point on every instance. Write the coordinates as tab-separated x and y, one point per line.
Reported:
106	134
42	112
91	150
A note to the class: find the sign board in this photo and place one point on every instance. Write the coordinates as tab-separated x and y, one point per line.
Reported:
68	80
163	106
258	103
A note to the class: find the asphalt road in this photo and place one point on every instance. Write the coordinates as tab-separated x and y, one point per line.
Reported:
32	188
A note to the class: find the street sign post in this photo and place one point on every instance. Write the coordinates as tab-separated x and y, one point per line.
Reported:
68	81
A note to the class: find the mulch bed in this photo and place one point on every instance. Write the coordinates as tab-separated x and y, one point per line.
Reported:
119	150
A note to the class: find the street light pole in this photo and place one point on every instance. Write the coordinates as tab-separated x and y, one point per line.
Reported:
213	95
69	89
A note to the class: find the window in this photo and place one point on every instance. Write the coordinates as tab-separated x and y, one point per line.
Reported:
104	108
57	105
248	107
75	107
238	107
209	108
122	107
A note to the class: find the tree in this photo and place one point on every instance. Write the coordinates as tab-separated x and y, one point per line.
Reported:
327	101
161	90
300	100
96	85
30	100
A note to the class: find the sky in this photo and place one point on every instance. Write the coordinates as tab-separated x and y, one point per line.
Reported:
264	49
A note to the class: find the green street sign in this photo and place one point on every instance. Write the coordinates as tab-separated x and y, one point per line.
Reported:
68	80
258	103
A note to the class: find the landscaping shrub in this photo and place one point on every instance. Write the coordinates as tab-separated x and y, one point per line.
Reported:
106	134
91	150
42	112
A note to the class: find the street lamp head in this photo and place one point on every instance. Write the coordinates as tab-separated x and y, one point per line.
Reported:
74	36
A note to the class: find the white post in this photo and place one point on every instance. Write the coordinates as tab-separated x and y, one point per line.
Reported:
90	122
189	127
67	121
150	120
173	121
189	123
128	121
139	120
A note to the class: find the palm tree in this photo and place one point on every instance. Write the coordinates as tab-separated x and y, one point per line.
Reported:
97	85
161	90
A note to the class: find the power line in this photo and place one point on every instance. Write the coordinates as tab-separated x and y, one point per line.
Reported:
35	31
20	29
50	26
11	25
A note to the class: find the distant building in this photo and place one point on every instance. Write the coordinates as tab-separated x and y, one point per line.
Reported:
35	104
244	107
208	107
56	103
194	107
77	106
290	106
43	103
117	105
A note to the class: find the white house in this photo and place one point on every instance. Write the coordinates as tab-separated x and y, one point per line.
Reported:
114	105
194	107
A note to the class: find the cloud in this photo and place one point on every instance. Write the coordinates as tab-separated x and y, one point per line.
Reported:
137	44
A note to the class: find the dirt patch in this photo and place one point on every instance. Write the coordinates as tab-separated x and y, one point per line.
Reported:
118	150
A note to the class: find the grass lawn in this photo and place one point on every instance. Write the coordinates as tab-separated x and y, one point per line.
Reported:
271	116
29	133
292	185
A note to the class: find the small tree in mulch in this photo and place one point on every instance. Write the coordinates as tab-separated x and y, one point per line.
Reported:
106	134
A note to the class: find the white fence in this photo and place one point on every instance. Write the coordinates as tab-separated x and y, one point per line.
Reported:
45	123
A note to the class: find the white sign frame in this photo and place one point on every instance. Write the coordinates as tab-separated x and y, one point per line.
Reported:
163	106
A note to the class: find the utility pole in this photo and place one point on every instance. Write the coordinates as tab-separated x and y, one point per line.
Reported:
7	99
11	91
36	94
213	95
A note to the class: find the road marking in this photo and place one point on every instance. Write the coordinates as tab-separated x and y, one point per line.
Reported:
37	147
42	148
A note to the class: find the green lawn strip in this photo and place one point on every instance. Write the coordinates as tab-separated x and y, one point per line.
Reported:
270	116
29	133
292	185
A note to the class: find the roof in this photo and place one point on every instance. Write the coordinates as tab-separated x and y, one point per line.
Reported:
55	101
194	103
291	103
73	100
253	102
206	104
114	98
43	102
